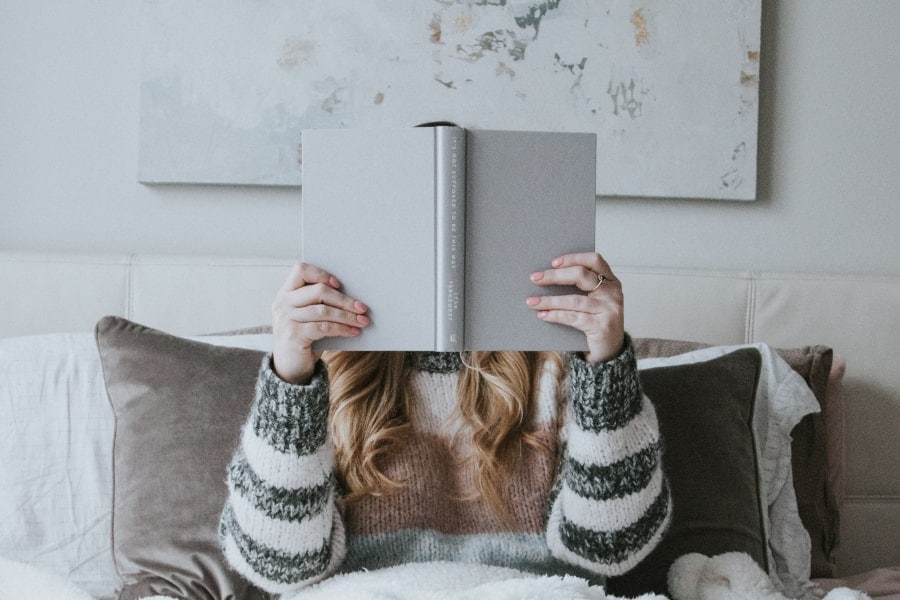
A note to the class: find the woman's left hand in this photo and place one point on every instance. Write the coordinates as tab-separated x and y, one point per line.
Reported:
599	313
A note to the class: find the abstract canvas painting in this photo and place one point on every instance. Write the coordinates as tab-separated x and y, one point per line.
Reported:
670	88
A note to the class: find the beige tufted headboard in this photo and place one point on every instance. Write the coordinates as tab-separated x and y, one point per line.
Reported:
857	315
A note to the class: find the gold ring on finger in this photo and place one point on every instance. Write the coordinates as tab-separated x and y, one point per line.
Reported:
601	279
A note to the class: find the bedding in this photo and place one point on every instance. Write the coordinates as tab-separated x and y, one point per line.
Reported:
730	576
74	363
56	438
55	449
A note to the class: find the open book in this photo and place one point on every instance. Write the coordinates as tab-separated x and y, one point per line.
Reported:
437	230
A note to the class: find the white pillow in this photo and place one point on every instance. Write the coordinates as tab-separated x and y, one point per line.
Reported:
782	399
56	457
56	435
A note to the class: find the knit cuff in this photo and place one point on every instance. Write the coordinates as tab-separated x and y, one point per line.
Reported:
291	418
605	395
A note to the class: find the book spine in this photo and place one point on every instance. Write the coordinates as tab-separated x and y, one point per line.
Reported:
450	221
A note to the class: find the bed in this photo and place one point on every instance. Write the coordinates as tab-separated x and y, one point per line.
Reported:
89	493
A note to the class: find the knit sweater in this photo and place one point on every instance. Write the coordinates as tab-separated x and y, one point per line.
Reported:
594	508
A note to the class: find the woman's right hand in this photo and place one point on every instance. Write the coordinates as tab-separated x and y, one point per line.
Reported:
309	307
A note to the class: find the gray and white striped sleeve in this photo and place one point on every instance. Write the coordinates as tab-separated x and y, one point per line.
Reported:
611	504
280	527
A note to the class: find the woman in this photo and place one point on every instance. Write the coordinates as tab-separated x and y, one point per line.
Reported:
364	460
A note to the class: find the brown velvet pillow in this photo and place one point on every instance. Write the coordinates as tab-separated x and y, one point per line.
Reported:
705	413
818	500
179	407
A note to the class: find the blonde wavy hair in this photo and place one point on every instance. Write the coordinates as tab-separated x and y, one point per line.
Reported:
370	409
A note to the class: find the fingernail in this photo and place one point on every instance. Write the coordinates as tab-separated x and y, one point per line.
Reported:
355	330
541	314
537	276
333	282
557	262
360	307
362	319
532	301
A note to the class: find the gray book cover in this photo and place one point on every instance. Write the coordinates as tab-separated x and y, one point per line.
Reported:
375	203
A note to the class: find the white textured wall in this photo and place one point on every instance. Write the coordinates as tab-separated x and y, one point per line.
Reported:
829	150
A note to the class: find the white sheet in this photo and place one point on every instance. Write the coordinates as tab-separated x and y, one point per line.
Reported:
56	435
56	444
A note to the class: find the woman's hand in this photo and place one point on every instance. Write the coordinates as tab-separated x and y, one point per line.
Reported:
309	307
599	313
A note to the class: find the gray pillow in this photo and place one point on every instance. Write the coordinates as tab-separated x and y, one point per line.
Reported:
818	496
705	413
179	406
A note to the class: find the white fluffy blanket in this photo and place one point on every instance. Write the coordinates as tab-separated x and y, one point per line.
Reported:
693	577
453	581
